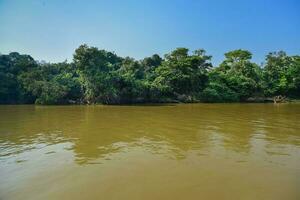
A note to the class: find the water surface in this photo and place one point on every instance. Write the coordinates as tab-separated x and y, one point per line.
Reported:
191	151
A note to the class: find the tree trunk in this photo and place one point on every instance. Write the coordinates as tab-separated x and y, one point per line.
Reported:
279	99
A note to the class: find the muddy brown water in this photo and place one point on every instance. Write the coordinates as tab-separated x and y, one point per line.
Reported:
181	151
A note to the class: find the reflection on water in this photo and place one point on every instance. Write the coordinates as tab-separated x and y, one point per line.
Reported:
222	151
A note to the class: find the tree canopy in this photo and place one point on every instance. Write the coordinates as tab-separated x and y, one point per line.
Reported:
100	76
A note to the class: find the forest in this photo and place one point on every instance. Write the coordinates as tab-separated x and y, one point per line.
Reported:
99	76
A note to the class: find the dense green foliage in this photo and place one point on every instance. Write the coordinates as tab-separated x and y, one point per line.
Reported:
99	76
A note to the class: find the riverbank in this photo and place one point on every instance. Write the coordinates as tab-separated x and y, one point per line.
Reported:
165	102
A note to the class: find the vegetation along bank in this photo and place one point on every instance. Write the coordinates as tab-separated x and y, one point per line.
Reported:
100	76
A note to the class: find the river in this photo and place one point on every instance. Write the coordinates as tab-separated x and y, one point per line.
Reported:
180	151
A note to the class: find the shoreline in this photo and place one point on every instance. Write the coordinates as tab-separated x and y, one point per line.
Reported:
157	103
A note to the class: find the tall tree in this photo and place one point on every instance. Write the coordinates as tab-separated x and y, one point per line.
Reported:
242	75
181	74
95	67
281	74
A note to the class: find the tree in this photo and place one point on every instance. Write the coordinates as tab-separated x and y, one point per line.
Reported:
52	83
181	74
293	75
218	90
95	69
131	83
12	66
241	75
281	74
151	63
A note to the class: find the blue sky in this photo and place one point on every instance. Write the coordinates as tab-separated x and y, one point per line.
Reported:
52	30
